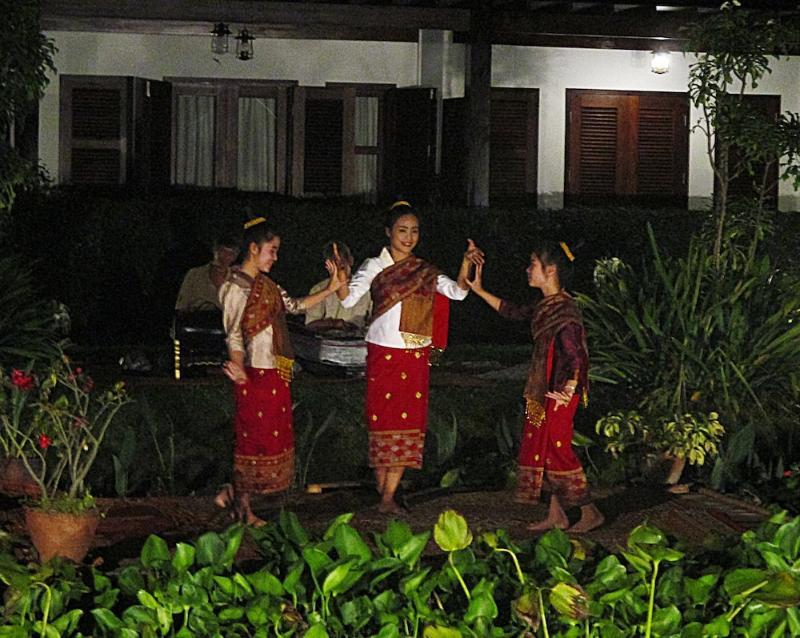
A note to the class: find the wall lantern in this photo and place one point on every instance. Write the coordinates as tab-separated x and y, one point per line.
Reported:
660	62
244	45
219	38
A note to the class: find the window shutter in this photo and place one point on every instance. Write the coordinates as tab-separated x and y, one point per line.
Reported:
93	122
627	146
513	143
322	171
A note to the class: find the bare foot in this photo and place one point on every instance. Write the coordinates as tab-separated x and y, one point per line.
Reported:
253	520
389	507
588	522
548	523
678	488
225	498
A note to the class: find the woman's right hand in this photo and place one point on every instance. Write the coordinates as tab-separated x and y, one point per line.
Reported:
235	372
476	283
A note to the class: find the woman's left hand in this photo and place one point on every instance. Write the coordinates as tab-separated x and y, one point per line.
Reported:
473	255
562	397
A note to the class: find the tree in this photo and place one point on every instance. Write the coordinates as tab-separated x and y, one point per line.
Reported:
26	58
733	49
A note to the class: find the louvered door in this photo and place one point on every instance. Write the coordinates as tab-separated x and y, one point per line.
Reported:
513	142
627	147
94	117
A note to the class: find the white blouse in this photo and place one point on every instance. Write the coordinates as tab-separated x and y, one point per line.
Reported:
258	350
385	329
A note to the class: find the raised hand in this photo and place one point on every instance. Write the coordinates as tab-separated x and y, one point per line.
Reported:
336	281
473	254
476	283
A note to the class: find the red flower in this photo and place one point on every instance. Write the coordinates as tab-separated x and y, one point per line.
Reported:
787	474
88	386
21	380
78	371
44	441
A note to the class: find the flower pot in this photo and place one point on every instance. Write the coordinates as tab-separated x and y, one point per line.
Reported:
61	534
15	480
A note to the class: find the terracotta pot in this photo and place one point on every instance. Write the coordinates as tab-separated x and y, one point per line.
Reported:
15	480
60	534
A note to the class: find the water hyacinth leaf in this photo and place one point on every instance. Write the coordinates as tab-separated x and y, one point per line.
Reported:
481	605
396	535
228	614
555	541
645	535
437	631
342	519
107	619
233	541
183	558
782	590
147	600
641	565
665	554
610	572
788	538
666	621
154	552
336	577
225	584
316	631
348	542
720	626
699	589
293	578
607	629
265	583
744	579
316	559
209	549
389	631
410	551
291	526
451	532
571	601
410	583
256	611
358	612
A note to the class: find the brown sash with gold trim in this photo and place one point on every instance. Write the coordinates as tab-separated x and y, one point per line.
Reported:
413	282
549	317
265	308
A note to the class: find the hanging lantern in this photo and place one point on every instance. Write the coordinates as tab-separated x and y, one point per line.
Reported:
244	45
220	35
660	62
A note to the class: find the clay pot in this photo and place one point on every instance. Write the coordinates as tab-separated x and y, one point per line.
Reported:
61	534
15	480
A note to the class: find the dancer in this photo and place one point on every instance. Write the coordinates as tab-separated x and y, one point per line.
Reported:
409	317
556	381
260	364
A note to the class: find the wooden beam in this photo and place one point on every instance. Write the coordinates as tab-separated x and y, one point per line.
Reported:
273	19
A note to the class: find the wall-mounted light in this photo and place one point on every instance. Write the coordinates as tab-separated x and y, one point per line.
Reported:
219	38
660	62
244	45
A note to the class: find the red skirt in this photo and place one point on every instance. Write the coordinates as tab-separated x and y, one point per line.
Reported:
263	459
546	454
396	406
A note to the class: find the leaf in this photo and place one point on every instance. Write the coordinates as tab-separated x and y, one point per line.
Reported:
389	631
741	580
291	526
666	621
481	605
183	558
316	631
342	519
107	619
67	623
265	583
410	551
437	631
410	583
451	532
154	552
316	559
336	577
146	599
396	535
348	542
210	549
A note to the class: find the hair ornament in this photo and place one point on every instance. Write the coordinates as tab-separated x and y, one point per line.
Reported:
566	250
254	222
400	203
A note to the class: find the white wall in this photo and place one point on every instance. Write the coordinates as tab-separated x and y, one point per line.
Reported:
553	70
313	62
310	62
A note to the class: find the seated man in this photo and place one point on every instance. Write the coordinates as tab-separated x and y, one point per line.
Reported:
330	314
200	287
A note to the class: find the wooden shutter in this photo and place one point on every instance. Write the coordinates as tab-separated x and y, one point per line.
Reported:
94	119
411	142
744	186
627	147
513	143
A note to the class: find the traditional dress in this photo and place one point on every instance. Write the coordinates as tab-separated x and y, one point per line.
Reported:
409	318
559	352
254	315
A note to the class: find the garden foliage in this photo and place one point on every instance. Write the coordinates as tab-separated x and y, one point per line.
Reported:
394	585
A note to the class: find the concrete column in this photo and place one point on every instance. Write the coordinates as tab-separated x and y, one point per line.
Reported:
432	48
478	84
